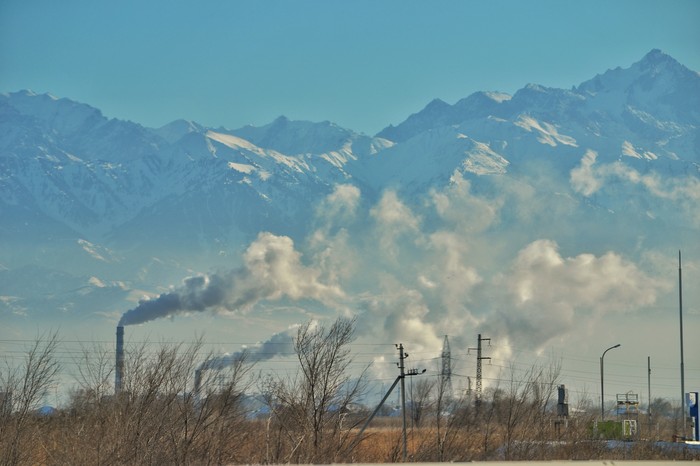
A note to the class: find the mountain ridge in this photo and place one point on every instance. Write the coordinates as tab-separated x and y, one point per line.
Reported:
193	195
105	152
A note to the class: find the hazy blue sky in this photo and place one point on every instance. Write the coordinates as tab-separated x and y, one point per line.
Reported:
363	64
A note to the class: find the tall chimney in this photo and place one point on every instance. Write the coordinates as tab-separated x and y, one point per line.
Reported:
119	369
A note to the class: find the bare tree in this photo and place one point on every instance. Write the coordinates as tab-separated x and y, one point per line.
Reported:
25	386
523	411
310	408
421	399
213	419
158	417
95	367
453	426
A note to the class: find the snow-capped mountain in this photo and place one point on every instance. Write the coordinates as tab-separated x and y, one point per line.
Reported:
657	84
645	116
89	195
107	179
653	104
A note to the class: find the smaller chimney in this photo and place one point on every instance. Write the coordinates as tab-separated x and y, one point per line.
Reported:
197	381
119	369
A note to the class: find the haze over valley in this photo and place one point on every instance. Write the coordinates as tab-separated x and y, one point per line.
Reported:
549	220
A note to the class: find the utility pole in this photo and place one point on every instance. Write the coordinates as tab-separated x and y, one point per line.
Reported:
479	358
649	390
402	375
680	311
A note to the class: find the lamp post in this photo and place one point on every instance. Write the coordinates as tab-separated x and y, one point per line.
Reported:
602	398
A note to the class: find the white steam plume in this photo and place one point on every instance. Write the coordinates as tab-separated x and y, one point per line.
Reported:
272	270
590	178
452	269
281	343
545	295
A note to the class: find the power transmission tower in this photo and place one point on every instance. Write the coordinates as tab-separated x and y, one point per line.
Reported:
479	358
446	371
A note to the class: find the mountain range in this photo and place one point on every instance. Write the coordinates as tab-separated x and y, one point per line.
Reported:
95	208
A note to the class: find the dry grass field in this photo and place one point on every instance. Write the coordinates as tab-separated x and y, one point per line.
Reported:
312	418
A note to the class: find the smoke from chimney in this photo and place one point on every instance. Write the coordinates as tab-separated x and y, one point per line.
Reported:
279	344
272	270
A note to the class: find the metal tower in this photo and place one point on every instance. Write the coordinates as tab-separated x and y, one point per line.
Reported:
479	358
446	370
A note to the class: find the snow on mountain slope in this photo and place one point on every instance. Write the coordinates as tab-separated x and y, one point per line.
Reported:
78	128
657	85
430	158
332	151
63	116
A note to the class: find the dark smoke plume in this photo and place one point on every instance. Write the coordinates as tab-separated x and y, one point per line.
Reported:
197	294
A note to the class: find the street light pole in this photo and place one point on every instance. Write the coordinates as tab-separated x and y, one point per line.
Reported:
602	398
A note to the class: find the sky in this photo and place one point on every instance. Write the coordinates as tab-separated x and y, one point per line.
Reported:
361	64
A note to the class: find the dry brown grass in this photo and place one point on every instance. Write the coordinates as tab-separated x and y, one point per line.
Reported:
70	438
155	420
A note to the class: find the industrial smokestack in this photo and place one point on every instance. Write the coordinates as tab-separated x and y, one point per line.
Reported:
197	381
119	368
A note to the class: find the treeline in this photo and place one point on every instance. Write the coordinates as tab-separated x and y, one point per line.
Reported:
161	418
